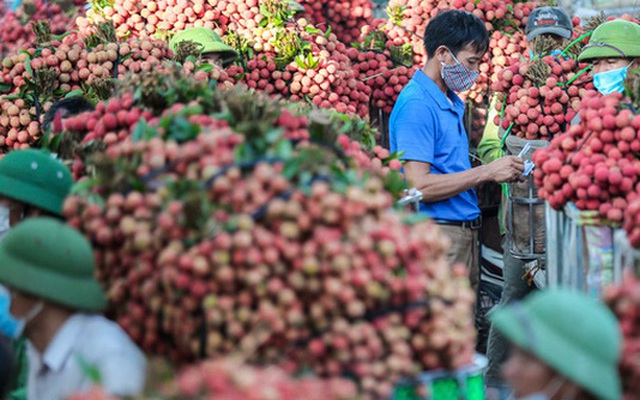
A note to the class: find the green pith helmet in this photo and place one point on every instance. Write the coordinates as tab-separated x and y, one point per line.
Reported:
207	38
573	334
35	178
613	39
47	258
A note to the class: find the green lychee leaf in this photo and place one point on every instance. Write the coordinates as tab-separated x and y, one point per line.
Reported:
95	198
139	132
61	36
84	186
90	371
394	183
328	32
312	30
124	57
54	144
74	93
284	149
396	155
291	168
300	62
27	63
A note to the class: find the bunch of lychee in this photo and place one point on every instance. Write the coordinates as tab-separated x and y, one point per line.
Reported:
593	164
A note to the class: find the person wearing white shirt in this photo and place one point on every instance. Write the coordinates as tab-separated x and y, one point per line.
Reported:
48	268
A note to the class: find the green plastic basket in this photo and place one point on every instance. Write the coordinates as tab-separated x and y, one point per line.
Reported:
467	383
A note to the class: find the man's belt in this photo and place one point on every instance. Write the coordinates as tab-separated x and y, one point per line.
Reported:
474	224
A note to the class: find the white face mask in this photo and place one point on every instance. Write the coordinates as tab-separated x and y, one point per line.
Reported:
5	222
22	322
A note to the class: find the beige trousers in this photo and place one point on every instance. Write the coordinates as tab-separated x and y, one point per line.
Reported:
464	250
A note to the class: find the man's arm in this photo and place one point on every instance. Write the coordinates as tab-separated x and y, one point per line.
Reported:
415	135
436	187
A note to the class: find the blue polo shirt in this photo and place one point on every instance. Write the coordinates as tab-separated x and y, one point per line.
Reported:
429	128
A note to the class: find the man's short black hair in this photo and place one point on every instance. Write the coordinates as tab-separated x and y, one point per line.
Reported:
455	29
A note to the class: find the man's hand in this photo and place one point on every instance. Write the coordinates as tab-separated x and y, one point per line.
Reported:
506	169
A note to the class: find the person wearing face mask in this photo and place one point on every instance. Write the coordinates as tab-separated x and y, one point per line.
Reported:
48	267
32	183
543	23
614	48
548	22
426	127
565	346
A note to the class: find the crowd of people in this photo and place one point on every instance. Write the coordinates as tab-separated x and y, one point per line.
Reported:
549	344
52	300
538	342
54	342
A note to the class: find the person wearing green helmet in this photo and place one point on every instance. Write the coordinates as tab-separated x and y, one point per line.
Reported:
613	48
48	268
212	49
32	183
543	23
565	345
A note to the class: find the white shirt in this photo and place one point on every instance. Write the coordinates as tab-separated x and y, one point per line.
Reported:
86	342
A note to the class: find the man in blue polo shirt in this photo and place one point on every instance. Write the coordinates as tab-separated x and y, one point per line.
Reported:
427	125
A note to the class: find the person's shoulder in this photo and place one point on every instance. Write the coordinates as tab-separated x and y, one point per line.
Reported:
413	96
103	332
412	91
121	364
